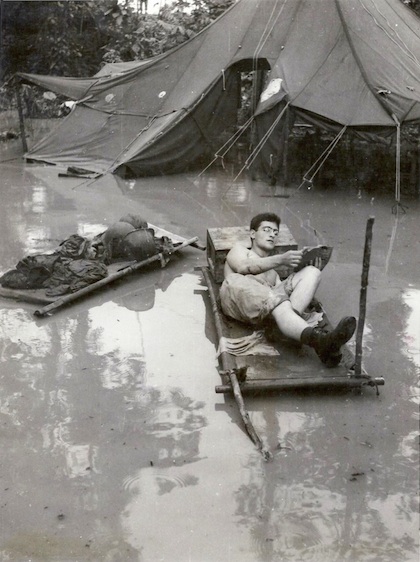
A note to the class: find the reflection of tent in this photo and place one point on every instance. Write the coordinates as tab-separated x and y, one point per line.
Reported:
336	62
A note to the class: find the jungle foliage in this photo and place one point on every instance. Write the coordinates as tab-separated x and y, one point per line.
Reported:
67	38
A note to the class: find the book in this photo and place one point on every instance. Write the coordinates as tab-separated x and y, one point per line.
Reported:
312	252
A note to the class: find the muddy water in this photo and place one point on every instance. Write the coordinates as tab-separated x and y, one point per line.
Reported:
114	446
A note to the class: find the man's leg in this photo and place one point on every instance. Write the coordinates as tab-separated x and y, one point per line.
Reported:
326	344
305	283
289	323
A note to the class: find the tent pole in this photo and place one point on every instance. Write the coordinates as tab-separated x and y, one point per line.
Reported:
282	167
257	87
286	148
398	165
418	163
21	121
398	204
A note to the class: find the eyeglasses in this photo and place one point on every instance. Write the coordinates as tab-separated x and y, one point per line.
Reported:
268	229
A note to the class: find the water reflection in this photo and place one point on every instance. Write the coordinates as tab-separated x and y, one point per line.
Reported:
107	408
39	199
23	218
236	192
411	335
121	350
328	495
78	399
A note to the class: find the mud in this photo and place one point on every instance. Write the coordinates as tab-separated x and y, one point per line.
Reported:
114	445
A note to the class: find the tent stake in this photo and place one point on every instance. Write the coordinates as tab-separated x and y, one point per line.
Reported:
363	293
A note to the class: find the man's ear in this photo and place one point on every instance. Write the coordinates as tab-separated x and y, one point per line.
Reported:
252	234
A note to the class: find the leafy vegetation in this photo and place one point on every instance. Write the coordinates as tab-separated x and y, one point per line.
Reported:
67	38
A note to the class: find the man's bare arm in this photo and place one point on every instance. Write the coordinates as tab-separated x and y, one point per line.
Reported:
240	261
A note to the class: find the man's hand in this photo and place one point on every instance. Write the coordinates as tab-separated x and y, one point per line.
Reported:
292	258
317	262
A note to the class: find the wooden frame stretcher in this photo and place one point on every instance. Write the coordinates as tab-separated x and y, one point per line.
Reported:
117	271
295	366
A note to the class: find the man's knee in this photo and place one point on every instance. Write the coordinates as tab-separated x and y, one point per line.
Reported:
283	307
311	273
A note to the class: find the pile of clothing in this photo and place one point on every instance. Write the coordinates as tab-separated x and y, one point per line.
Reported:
72	266
79	261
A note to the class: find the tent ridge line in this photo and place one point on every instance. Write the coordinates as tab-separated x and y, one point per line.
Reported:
266	32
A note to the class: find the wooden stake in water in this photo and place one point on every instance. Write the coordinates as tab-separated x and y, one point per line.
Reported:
363	294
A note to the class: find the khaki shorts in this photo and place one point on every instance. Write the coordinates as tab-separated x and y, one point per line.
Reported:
247	299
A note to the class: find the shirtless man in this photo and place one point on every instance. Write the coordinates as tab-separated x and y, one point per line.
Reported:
252	290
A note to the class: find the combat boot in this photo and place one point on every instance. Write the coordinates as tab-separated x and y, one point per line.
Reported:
327	344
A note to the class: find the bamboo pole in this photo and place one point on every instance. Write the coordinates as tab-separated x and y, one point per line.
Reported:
21	120
363	294
228	366
66	299
344	381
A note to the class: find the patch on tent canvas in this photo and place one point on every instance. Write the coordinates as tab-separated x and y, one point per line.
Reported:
109	98
274	87
162	94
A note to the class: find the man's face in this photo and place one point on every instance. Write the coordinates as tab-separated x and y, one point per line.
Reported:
265	237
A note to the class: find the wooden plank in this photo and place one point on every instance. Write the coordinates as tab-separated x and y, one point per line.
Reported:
34	296
336	382
230	371
225	237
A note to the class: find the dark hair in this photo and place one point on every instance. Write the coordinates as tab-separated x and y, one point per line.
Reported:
268	217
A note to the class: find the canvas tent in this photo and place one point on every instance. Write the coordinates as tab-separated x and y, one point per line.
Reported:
338	63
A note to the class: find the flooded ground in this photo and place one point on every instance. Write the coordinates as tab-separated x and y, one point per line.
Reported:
114	445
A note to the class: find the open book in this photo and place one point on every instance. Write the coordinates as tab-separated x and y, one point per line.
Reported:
313	252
